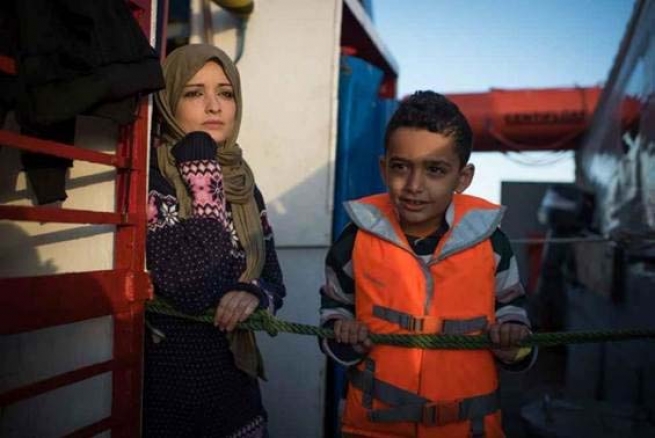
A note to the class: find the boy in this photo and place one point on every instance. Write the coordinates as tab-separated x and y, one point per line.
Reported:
424	259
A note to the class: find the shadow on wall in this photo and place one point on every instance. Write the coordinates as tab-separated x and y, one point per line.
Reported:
11	167
18	252
304	215
301	216
30	356
10	179
92	133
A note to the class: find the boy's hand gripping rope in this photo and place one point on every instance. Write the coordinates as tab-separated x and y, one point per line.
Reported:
261	320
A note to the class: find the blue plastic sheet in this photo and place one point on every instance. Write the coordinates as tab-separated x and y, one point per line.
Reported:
360	142
363	116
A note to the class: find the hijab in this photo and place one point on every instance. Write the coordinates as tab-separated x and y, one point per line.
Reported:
239	183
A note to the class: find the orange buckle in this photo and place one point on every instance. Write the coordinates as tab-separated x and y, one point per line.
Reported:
438	414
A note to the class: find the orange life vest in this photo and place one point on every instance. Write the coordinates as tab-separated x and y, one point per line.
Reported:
413	392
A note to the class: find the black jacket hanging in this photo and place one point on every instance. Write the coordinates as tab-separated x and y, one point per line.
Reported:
72	57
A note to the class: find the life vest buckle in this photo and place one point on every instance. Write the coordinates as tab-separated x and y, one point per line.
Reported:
438	414
414	324
427	324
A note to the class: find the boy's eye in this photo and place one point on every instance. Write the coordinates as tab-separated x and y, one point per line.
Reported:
398	166
436	170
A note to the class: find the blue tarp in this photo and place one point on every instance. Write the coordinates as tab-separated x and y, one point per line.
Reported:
360	142
363	116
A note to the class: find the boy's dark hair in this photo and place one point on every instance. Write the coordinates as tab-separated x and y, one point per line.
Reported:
434	112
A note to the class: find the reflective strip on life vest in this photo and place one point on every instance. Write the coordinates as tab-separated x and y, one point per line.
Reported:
410	407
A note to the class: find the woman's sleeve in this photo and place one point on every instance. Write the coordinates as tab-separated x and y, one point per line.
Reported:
271	282
185	261
186	256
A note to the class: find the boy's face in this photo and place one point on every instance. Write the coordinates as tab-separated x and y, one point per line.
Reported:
422	171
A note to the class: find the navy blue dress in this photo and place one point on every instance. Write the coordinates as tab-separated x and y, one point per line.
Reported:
191	386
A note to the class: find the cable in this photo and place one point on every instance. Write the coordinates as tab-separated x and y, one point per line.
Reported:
560	240
241	38
555	157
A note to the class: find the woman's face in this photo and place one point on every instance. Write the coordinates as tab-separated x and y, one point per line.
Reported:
207	103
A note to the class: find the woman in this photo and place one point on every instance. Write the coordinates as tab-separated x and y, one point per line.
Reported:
209	244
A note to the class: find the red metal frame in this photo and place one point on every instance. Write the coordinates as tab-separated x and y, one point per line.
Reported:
7	65
45	214
33	303
32	144
46	301
57	381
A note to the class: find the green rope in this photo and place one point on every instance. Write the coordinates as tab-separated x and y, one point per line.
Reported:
264	321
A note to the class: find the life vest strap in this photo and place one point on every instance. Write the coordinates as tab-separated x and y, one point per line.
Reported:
381	390
440	413
431	324
464	326
477	428
367	380
411	407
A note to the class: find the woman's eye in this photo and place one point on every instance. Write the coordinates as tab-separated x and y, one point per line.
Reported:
192	94
227	94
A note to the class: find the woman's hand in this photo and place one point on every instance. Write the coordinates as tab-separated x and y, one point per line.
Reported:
234	307
353	332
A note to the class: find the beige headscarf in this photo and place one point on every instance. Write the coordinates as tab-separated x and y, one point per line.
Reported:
179	67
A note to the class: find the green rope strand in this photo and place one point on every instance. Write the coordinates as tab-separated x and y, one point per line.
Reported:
264	321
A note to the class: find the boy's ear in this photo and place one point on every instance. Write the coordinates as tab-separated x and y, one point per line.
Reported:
465	178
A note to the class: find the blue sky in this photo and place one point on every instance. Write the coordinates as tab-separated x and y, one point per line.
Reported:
472	45
455	46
